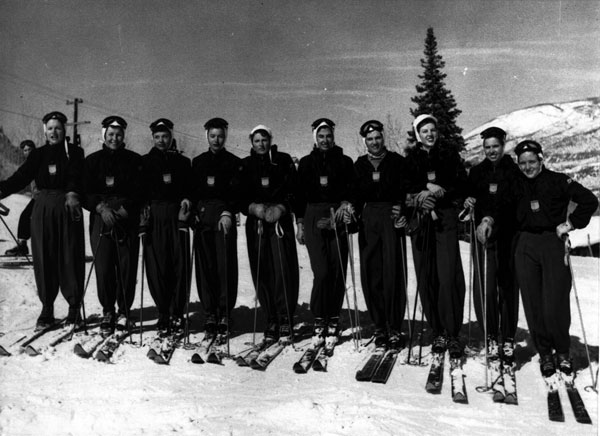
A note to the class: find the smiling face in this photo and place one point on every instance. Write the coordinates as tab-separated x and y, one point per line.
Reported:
530	164
55	132
114	137
162	140
493	149
216	139
429	134
324	138
261	143
374	142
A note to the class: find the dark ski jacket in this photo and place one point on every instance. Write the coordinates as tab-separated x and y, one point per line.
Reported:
113	176
325	177
268	178
51	168
166	176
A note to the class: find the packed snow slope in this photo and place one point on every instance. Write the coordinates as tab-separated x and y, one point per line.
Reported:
568	132
58	393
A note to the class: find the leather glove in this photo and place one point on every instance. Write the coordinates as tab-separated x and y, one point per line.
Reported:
121	213
484	229
107	215
436	190
428	203
144	220
73	206
562	230
300	233
469	202
400	222
225	222
257	210
274	213
396	211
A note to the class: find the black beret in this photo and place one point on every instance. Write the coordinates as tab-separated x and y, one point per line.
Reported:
27	143
216	123
161	125
62	118
494	132
528	145
370	126
320	121
114	121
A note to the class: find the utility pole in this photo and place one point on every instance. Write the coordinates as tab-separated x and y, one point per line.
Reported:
75	103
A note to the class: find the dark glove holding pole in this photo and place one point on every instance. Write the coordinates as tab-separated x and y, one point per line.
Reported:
107	214
73	206
257	210
274	213
183	217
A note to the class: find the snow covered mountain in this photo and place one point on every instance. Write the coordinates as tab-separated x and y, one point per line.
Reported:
568	132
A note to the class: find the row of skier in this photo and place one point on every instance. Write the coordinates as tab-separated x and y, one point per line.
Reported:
518	216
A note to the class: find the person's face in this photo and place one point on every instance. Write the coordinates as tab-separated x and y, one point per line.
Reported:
325	138
429	134
374	142
493	149
530	164
162	140
114	137
216	139
55	132
261	143
26	150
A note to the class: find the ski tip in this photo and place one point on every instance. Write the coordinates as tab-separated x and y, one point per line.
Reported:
299	369
511	399
498	397
460	398
196	358
80	351
4	352
151	354
30	351
102	357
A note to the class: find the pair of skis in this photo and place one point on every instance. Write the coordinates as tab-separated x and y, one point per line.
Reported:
212	348
555	410
435	377
378	366
317	355
504	382
163	346
260	356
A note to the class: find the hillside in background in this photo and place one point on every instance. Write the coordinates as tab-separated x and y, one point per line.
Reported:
10	156
568	132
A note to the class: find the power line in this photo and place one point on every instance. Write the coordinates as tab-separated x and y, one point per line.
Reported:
19	113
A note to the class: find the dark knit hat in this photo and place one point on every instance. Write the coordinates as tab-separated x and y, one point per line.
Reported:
216	123
323	122
370	126
494	132
162	125
62	118
27	143
528	145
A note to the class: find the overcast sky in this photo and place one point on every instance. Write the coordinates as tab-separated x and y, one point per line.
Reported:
284	63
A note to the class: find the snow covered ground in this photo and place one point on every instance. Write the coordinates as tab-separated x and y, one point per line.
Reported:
59	393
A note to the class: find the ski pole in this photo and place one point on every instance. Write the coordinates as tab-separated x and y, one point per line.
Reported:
189	263
471	253
353	276
12	234
404	266
120	280
570	265
342	273
259	230
279	233
483	302
143	242
226	279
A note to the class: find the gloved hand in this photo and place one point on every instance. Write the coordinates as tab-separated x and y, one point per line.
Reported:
344	213
300	233
484	229
183	217
562	230
274	213
121	213
436	190
400	222
348	215
257	210
107	214
396	211
428	204
411	200
225	222
73	206
420	197
144	220
469	202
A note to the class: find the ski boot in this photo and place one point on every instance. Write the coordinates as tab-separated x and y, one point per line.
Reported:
508	351
333	331
565	366
547	366
395	340
455	349
162	325
271	332
107	325
210	327
177	325
493	350
285	331
439	344
20	249
123	323
318	332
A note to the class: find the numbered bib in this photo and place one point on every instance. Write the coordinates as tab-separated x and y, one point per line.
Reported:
167	179
109	181
210	180
376	176
431	176
535	205
493	188
264	181
323	180
52	169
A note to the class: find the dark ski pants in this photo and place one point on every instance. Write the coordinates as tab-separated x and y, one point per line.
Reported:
440	277
545	283
383	266
502	291
116	253
167	257
277	268
57	245
216	261
328	283
24	227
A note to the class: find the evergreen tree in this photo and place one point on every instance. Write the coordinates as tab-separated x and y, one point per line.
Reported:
433	97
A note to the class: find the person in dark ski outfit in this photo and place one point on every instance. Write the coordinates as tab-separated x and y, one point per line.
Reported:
166	176
216	196
112	183
437	181
488	184
380	194
268	183
542	198
326	180
24	226
57	241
